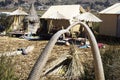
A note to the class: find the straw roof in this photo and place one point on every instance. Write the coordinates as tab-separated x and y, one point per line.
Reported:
19	11
69	11
32	14
89	17
114	9
56	15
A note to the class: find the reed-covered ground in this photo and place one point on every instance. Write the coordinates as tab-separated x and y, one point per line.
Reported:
21	65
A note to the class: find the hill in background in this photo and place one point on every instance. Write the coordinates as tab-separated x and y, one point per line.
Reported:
92	4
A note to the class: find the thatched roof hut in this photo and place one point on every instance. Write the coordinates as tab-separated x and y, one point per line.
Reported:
18	16
33	20
59	16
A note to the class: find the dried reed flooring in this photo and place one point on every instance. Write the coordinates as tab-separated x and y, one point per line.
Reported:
24	63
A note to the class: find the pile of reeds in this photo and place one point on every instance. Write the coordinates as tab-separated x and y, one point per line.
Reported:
67	67
75	69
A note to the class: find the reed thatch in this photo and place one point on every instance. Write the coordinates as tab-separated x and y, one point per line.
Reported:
32	14
18	16
33	20
68	66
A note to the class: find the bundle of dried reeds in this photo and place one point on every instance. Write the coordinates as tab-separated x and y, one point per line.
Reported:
75	69
68	66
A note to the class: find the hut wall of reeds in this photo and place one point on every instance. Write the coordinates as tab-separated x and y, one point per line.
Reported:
111	21
60	24
109	25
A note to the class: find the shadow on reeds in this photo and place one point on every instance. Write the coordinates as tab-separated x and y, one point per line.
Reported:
108	39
